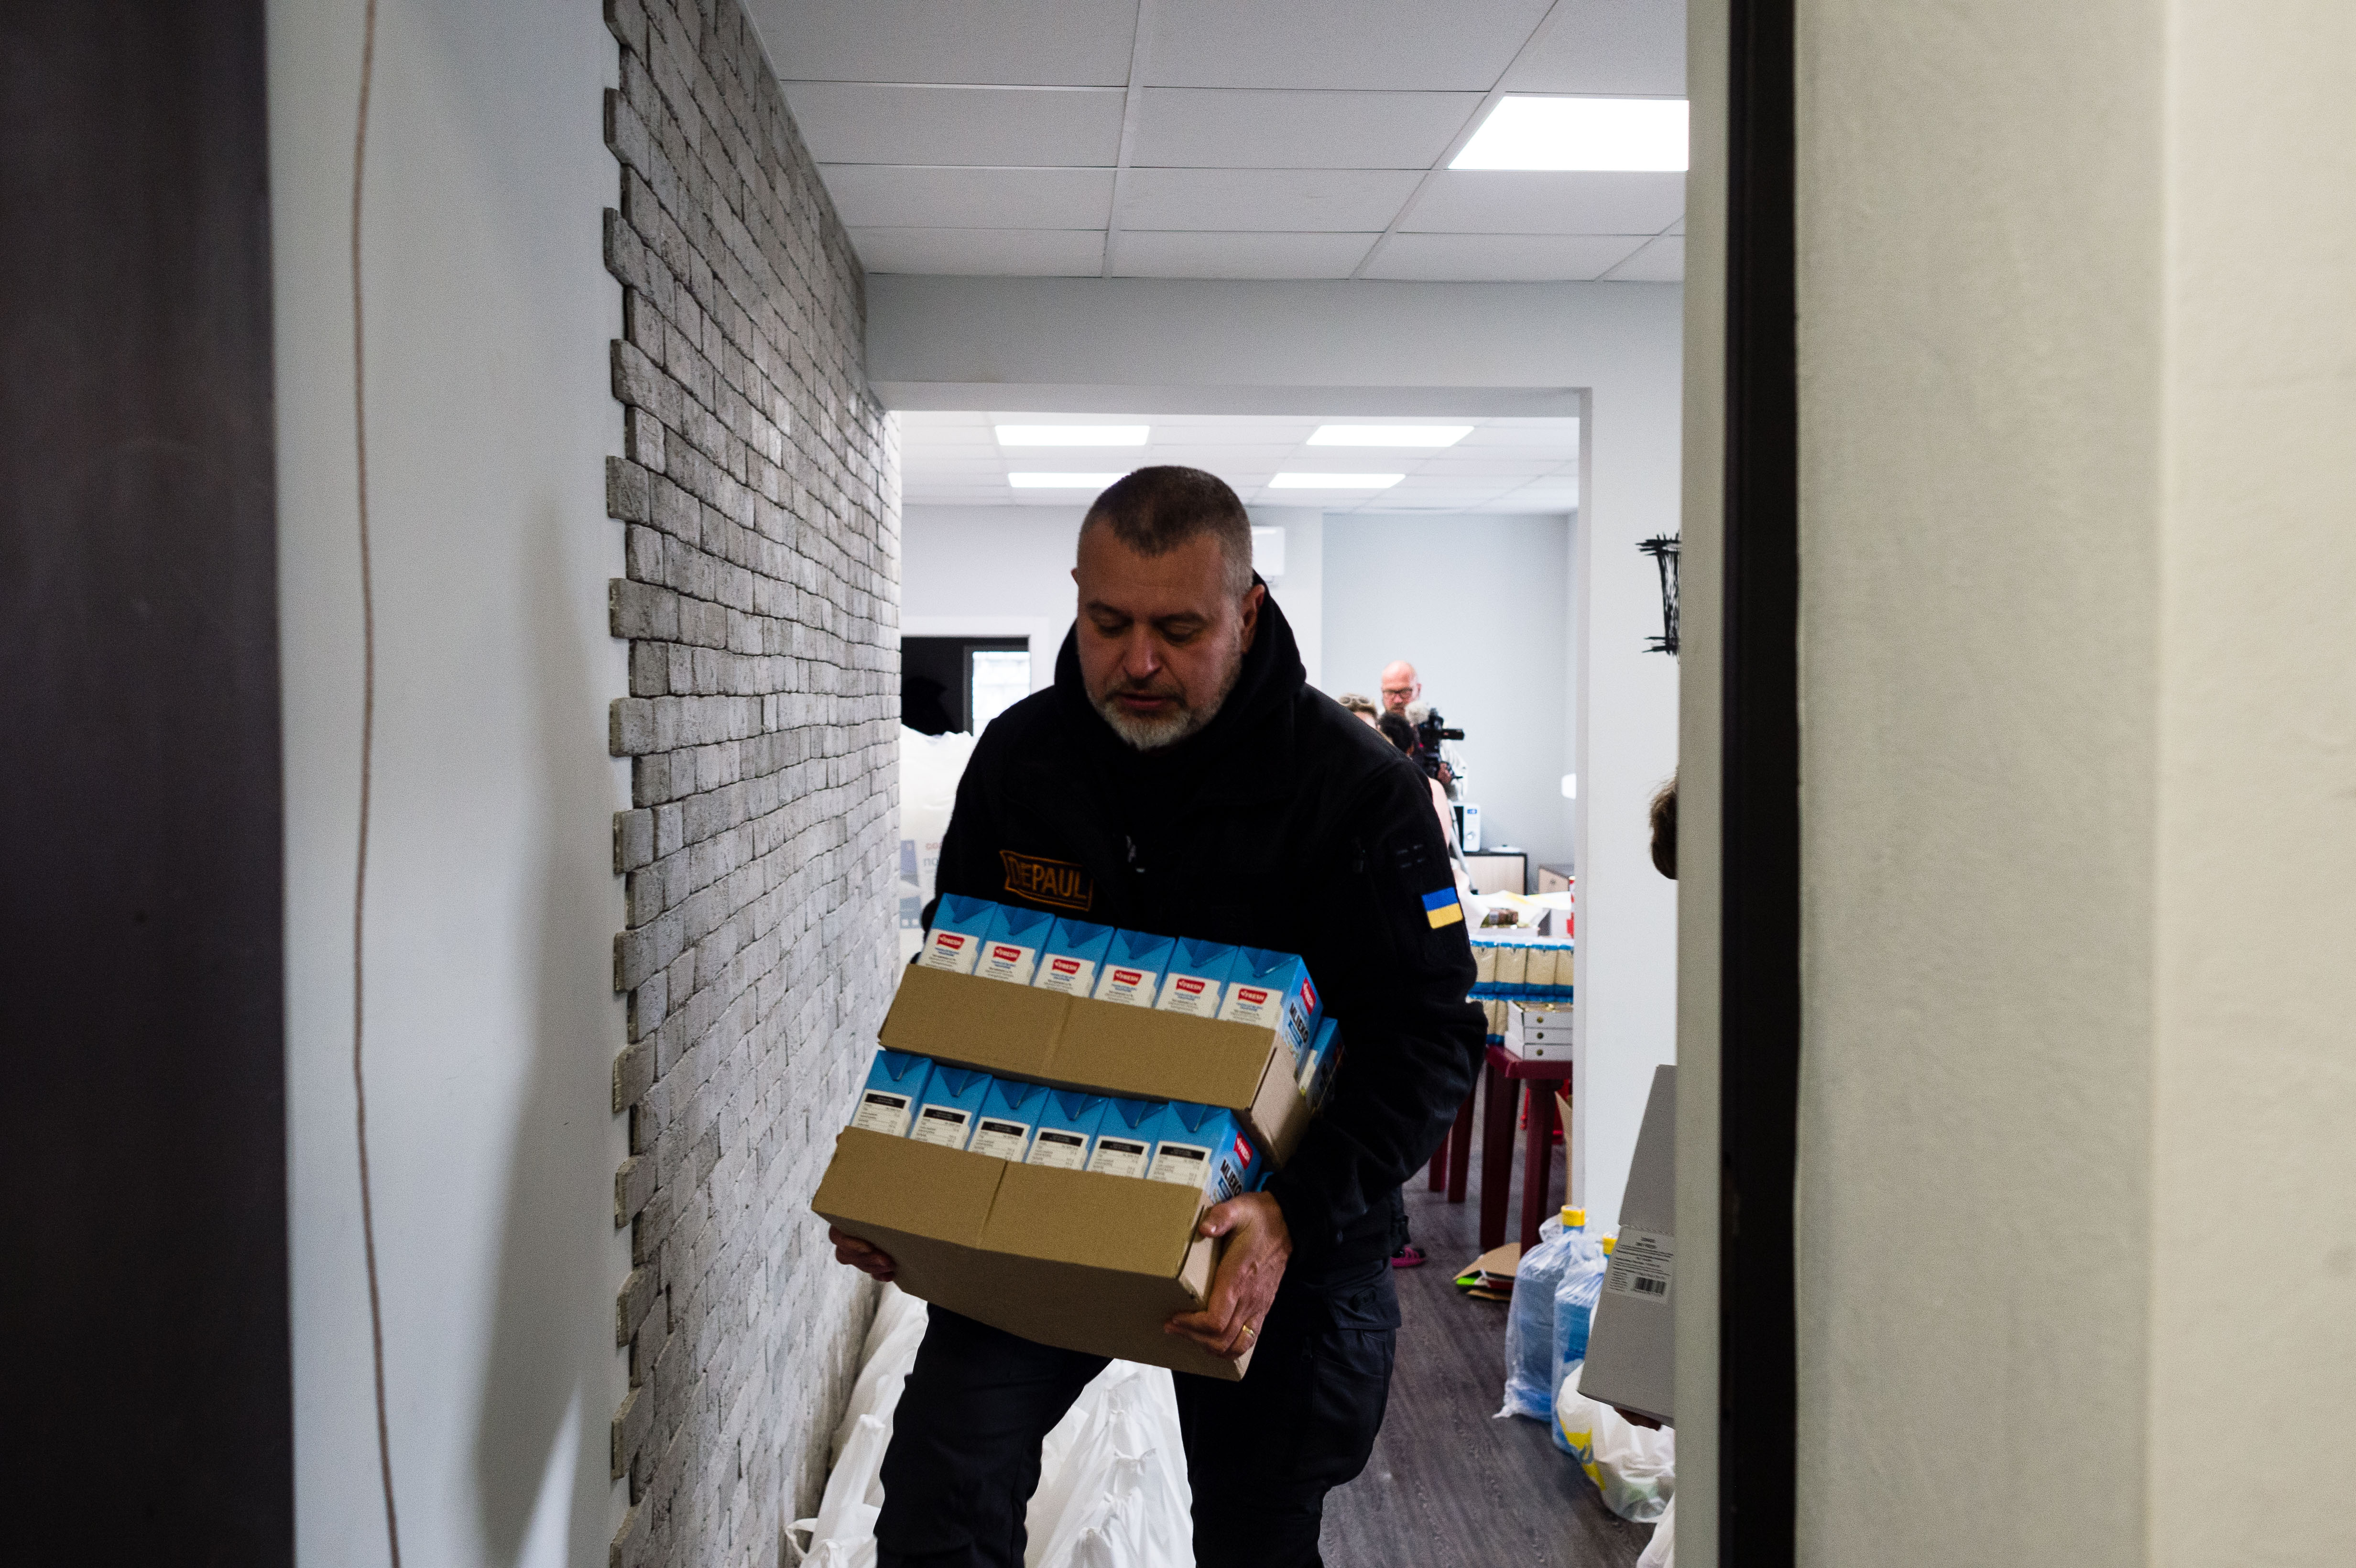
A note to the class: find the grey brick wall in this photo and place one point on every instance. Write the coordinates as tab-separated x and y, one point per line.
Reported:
760	487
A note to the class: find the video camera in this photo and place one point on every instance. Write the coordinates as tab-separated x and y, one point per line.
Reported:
1427	736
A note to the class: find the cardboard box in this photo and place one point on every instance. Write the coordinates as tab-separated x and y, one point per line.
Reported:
1132	968
1089	1262
888	1103
1632	1349
1009	1112
955	941
1080	1042
1075	952
1065	1134
953	1097
1011	945
1197	981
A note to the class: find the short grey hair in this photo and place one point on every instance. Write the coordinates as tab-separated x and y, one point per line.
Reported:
1155	511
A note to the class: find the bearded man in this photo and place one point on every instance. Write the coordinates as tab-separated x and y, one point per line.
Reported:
1181	777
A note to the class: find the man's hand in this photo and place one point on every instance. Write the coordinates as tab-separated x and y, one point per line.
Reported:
860	1256
1259	1245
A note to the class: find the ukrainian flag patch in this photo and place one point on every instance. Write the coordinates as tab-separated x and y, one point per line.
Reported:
1441	908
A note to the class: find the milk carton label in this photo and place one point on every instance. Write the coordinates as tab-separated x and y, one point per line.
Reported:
880	1111
1117	1156
1194	994
1059	1147
1134	963
1005	961
1186	1165
1073	953
959	924
947	1125
1061	972
1001	1139
954	951
1133	986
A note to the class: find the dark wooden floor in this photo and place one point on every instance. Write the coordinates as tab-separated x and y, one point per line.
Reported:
1449	1484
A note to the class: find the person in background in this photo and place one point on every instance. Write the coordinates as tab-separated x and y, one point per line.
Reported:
1664	829
1364	707
1402	691
1401	734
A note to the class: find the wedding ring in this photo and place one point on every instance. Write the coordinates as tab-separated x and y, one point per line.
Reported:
1252	1331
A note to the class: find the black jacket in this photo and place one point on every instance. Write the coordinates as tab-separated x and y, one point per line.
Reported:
1284	824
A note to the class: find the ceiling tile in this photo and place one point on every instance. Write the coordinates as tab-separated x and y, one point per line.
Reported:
1221	254
1337	43
1194	128
1516	201
1623	47
1312	200
1500	258
982	253
1074	43
901	196
1662	261
868	122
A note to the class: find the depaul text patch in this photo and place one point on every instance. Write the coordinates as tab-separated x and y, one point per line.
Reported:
1051	882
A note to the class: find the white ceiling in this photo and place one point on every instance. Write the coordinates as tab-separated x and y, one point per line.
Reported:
1504	466
1222	138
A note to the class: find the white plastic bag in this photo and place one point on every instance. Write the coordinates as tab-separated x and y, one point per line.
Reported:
1634	1466
930	766
884	1363
1120	1442
843	1533
1661	1551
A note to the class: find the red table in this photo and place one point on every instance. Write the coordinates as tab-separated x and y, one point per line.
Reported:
1504	1075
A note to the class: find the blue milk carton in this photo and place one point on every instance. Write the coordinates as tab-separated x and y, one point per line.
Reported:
1125	1142
1132	968
1075	952
894	1080
1196	980
1272	990
1316	1078
1206	1148
1011	944
955	941
1009	1112
952	1099
1065	1133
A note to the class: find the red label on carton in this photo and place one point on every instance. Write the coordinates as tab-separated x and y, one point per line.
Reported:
1252	994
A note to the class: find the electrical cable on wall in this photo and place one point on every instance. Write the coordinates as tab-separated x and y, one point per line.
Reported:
367	746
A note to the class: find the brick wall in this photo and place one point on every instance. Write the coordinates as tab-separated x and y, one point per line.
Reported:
760	489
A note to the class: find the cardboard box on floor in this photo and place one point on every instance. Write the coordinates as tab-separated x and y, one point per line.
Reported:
1632	1351
1085	1261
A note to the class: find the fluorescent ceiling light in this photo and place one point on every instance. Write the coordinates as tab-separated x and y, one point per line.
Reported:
1073	434
1060	481
1335	481
1389	434
1602	134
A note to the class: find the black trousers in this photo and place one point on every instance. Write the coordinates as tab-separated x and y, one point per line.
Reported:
1261	1454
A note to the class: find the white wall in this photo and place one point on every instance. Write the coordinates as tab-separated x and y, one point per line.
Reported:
1608	352
1476	604
491	1018
2078	1266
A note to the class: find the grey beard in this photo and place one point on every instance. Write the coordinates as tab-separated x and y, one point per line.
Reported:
1153	734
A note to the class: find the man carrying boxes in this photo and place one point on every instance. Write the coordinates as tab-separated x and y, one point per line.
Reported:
1181	777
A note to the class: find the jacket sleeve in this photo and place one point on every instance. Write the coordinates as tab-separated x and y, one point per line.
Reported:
1395	970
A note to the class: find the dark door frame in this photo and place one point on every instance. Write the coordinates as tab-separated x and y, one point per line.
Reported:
1759	937
146	1283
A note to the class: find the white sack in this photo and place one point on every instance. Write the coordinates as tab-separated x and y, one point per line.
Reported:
884	1363
1634	1466
1661	1551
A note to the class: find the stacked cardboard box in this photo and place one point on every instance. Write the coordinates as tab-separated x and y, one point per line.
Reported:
1055	1105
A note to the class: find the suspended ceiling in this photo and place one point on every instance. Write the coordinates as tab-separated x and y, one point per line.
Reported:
1222	138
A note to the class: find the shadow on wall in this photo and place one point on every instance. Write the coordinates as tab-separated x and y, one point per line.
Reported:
554	1319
